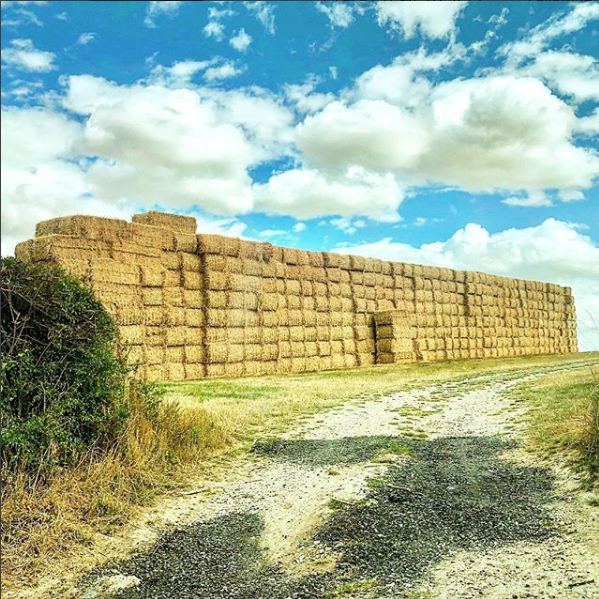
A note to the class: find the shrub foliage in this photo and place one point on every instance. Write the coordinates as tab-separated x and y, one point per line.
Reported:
63	374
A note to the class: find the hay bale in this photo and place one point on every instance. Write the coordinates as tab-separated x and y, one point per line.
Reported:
179	223
152	296
172	278
194	371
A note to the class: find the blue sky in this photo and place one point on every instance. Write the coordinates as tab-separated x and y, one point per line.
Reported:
453	133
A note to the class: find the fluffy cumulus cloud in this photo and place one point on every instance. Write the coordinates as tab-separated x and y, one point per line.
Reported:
340	14
44	178
495	133
535	253
156	9
309	193
24	56
434	19
241	40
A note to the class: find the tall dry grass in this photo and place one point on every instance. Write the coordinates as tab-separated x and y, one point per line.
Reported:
46	518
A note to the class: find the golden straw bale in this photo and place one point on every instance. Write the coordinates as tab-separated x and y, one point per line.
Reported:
357	263
298	349
295	317
194	371
174	315
334	275
252	267
155	335
215	369
152	276
192	298
211	244
274	319
316	259
294	302
173	296
270	351
186	242
109	271
156	373
179	223
192	280
175	335
191	262
284	349
172	278
217	280
369	279
217	352
193	353
331	260
173	355
152	296
194	335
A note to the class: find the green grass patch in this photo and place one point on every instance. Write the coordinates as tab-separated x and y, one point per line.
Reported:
351	589
564	419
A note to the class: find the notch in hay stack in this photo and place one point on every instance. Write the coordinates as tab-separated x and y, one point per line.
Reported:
395	335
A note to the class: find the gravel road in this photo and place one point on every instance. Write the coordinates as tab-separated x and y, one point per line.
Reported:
422	494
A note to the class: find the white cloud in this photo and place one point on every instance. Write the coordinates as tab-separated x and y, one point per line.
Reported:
482	135
571	195
161	146
307	193
340	14
215	29
299	227
505	133
434	19
272	233
588	125
402	82
241	41
572	75
86	38
264	12
373	134
304	98
534	199
43	178
553	251
9	3
225	70
179	74
555	26
155	9
23	55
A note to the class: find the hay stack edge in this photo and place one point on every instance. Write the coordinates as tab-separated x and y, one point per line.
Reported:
193	306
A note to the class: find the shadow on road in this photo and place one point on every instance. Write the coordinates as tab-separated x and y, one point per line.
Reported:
453	494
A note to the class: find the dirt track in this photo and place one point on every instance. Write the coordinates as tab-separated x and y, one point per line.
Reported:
419	494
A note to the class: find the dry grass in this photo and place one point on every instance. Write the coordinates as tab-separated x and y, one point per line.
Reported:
201	423
49	519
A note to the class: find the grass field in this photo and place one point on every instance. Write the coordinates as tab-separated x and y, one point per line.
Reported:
563	418
200	426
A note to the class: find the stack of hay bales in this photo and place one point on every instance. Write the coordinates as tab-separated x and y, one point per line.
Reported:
396	335
203	305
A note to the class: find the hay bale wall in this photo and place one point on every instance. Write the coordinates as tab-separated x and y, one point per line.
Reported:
204	305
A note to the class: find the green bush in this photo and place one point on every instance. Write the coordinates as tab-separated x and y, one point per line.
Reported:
63	374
